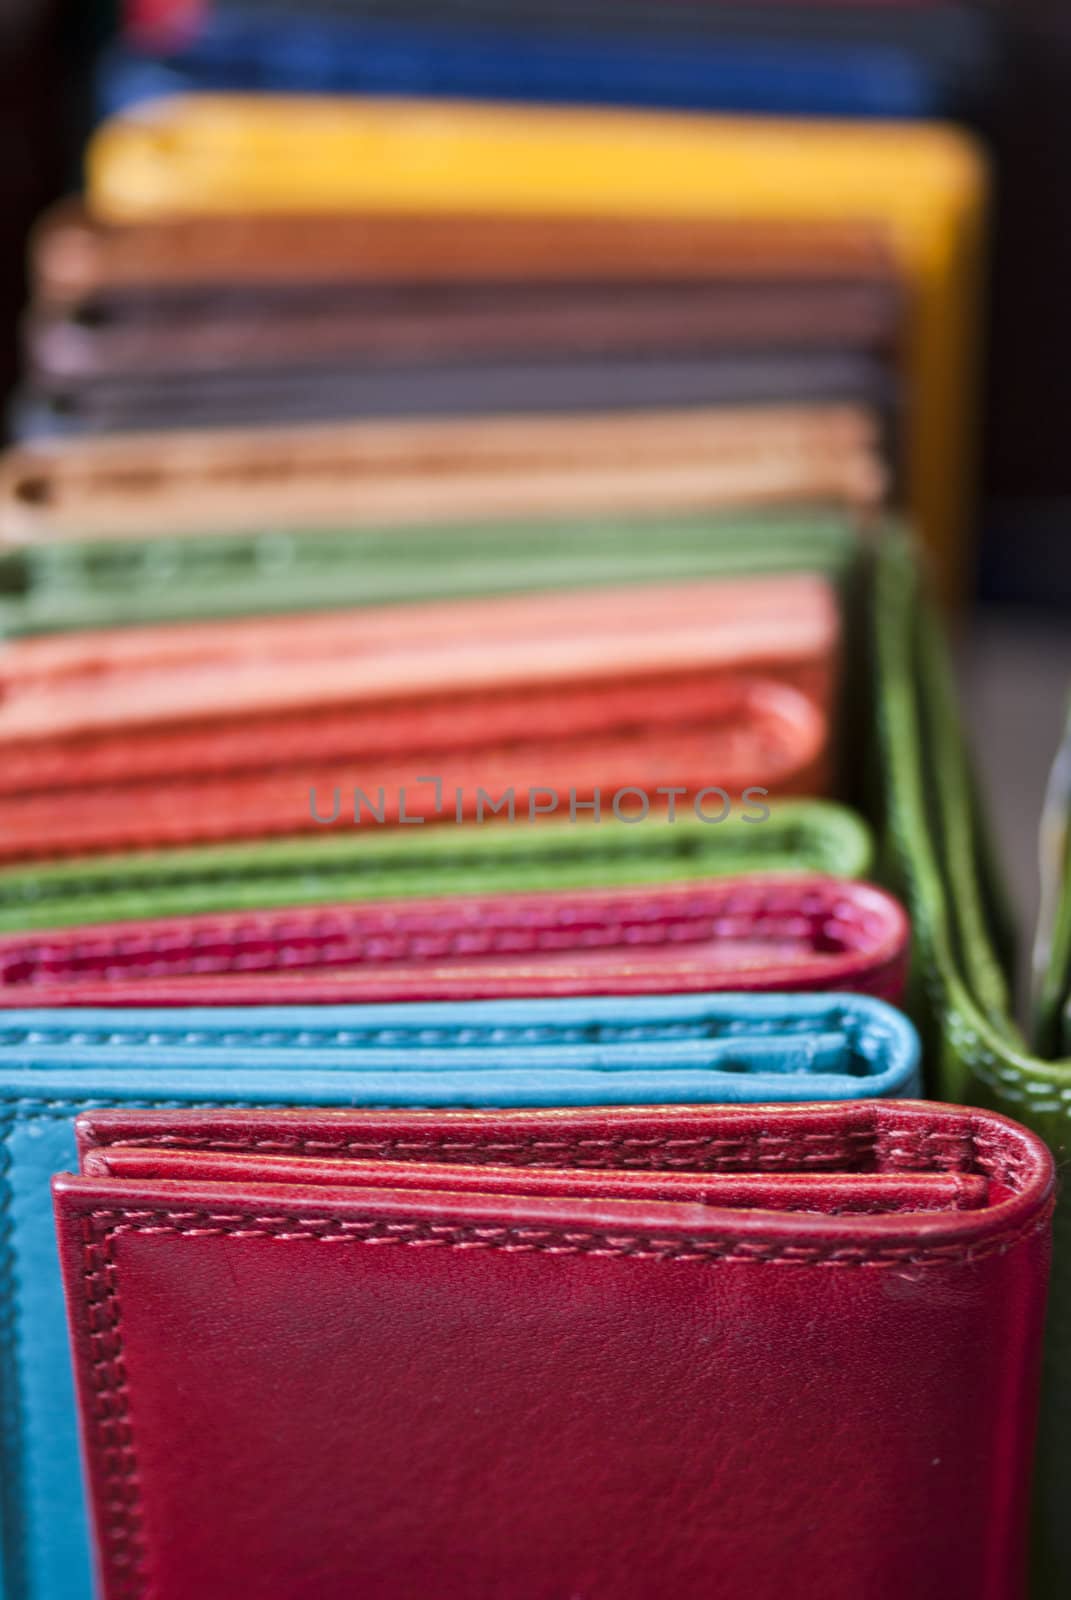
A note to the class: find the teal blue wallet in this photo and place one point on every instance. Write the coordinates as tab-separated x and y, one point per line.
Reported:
54	1066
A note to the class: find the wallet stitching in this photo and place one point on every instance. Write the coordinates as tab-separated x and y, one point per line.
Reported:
721	897
613	1151
795	837
759	1148
844	1018
517	1239
124	1545
285	934
795	755
63	892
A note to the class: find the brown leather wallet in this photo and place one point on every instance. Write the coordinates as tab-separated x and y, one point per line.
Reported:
75	257
325	326
449	470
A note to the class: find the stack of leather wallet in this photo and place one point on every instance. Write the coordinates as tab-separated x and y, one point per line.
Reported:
487	863
580	975
252	316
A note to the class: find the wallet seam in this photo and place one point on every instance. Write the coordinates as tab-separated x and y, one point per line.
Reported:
842	1014
794	833
980	1150
620	1146
286	1226
874	929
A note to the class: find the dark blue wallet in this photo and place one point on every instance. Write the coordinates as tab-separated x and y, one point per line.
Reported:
778	69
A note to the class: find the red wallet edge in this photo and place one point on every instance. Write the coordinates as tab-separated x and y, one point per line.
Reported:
989	1142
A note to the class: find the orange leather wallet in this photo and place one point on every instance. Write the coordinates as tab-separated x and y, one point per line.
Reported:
243	730
107	681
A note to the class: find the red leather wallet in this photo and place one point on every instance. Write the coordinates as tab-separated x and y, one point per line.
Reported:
746	1352
549	751
765	932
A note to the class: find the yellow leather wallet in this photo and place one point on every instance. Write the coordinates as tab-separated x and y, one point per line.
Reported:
924	185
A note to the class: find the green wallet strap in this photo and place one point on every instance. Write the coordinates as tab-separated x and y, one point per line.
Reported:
954	810
1052	948
112	583
932	831
975	1051
369	863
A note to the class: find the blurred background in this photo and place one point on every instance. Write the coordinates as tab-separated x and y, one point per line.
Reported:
1002	71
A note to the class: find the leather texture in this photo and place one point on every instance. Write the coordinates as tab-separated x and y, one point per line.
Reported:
501	54
446	470
55	1065
78	259
208	732
924	184
765	932
161	24
905	20
619	747
287	394
71	585
580	1342
325	328
121	362
73	685
479	388
204	153
798	836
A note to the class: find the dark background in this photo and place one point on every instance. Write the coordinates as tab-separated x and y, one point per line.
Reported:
1026	510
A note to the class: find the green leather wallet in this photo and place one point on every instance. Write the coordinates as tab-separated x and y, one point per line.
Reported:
374	864
1051	1010
83	584
211	575
934	850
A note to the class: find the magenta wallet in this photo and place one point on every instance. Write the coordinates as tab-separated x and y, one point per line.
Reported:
747	1353
766	932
